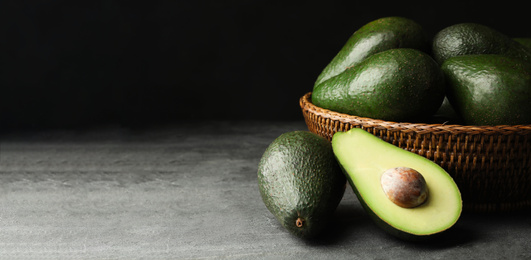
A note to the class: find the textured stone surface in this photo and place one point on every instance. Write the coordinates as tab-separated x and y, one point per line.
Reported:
190	191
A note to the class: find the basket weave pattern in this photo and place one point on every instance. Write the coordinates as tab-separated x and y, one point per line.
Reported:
490	164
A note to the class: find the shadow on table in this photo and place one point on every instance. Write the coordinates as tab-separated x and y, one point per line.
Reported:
352	223
348	221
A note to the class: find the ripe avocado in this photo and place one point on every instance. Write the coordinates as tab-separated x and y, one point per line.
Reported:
376	36
300	182
365	159
524	41
471	38
397	84
489	89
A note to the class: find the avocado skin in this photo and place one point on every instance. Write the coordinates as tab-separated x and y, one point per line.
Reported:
397	85
376	36
471	38
524	41
298	176
489	89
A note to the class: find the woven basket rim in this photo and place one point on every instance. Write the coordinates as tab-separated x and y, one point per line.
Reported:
433	128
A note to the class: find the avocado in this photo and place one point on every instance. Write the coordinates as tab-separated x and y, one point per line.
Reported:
472	38
426	200
397	84
300	182
489	89
376	36
524	41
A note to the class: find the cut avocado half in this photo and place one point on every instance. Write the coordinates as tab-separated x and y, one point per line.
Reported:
364	158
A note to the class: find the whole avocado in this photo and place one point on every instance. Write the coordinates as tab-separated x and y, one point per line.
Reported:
489	89
301	182
397	85
376	36
524	41
472	38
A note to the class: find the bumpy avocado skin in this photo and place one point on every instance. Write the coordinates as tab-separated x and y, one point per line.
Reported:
471	39
397	85
374	37
489	89
299	178
524	41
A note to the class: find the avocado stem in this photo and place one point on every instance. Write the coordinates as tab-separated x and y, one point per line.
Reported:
299	222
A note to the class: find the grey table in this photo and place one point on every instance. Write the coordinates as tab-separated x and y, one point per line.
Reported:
189	191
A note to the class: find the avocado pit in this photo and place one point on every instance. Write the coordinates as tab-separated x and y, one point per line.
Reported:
404	186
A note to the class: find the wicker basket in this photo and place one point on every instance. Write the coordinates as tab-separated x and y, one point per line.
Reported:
490	164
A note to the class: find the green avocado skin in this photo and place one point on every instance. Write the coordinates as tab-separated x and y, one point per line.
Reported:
471	39
489	89
524	41
299	177
396	85
376	36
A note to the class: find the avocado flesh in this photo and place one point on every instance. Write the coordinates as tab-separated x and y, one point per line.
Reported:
300	182
364	157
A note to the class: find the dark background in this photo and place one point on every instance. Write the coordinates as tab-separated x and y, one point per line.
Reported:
67	63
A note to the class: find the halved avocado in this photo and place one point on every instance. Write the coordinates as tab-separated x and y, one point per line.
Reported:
364	158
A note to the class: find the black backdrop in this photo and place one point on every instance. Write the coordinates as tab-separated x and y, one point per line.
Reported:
77	63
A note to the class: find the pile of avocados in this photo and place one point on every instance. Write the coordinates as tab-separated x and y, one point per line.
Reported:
389	69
